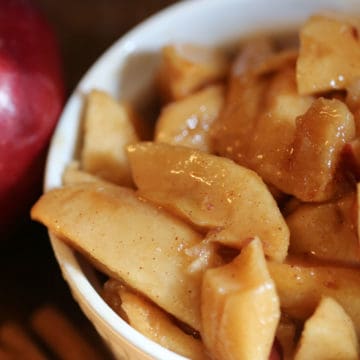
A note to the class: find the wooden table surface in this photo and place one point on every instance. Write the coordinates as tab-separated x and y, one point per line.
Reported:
29	276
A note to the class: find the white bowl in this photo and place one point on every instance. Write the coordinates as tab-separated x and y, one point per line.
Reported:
126	71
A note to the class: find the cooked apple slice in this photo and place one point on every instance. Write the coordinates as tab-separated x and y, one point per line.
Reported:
128	239
301	286
187	122
329	54
108	128
156	324
301	153
328	334
185	68
240	308
73	175
211	192
243	103
321	134
275	128
316	229
246	97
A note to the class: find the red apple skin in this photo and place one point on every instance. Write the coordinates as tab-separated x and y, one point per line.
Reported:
31	98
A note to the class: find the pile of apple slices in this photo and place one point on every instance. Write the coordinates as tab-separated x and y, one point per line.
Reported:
232	231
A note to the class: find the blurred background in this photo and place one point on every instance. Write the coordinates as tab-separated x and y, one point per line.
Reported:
29	276
85	28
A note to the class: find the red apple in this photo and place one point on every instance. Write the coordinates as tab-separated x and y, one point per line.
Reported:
31	98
